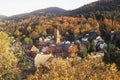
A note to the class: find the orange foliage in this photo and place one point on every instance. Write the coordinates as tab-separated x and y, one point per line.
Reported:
108	22
34	35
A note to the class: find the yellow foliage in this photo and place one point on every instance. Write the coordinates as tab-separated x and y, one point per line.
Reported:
4	42
8	61
17	33
76	69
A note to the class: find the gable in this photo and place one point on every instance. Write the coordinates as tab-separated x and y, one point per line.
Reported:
34	49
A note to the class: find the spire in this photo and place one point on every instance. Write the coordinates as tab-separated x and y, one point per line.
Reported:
57	36
57	33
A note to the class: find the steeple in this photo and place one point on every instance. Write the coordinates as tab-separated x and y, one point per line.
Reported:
57	32
57	36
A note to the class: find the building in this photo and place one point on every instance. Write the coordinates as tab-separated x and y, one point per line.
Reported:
41	59
57	37
34	49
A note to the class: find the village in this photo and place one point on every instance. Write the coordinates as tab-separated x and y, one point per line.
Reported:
51	46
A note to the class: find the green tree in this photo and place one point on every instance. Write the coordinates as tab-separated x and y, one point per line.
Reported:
28	41
112	55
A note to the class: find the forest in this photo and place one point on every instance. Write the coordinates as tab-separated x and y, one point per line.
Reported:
77	63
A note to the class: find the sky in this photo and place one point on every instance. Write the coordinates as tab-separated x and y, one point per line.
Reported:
13	7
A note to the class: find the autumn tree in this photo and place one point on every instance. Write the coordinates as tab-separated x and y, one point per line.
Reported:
8	62
76	69
17	33
34	35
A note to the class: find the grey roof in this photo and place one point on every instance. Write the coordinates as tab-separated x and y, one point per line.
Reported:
65	46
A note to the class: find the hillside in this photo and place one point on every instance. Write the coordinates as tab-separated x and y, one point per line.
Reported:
2	17
107	8
54	10
47	11
102	6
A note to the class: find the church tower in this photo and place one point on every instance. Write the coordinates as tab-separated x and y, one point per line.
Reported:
57	33
57	36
